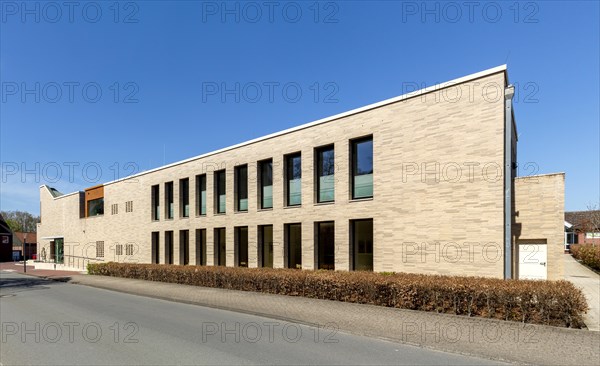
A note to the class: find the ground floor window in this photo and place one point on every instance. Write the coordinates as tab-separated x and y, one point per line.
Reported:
200	247
293	245
241	246
220	247
155	247
325	251
265	248
361	245
168	247
184	247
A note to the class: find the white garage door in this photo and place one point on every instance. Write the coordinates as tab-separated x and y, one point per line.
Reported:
532	261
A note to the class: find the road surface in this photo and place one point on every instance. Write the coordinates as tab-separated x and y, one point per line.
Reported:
51	323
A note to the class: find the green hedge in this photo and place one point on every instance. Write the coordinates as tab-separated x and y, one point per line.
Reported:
588	254
556	303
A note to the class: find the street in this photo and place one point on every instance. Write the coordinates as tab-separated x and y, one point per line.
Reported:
52	323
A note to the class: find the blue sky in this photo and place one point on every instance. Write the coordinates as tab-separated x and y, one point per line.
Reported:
129	87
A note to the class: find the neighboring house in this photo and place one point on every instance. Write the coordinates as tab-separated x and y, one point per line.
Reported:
6	238
30	249
582	227
414	184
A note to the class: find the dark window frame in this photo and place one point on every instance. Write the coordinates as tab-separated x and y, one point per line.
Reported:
155	197
262	180
169	201
354	164
184	197
201	187
241	187
217	190
290	175
320	170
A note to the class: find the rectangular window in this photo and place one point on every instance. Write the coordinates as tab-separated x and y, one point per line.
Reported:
184	197
200	247
266	245
128	249
184	247
325	174
155	247
114	208
129	206
241	187
362	245
201	194
96	207
119	249
293	172
241	246
265	179
168	247
362	168
155	203
220	247
169	200
325	245
99	249
293	241
220	194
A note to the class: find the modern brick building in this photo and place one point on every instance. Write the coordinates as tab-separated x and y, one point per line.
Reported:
415	183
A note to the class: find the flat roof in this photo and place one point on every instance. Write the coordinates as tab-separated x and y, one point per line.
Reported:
477	75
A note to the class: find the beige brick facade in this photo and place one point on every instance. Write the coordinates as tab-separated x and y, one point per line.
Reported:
540	214
438	195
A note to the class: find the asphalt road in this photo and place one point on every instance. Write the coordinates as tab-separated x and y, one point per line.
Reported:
51	323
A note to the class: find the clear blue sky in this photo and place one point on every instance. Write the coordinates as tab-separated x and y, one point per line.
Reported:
167	58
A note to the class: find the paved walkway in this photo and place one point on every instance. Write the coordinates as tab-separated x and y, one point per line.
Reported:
45	273
499	340
589	282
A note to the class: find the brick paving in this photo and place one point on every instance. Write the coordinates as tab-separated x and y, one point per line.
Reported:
31	271
499	340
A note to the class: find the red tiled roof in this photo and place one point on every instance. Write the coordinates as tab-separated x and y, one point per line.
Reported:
31	237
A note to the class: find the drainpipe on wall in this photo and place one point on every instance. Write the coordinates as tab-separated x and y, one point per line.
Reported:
509	92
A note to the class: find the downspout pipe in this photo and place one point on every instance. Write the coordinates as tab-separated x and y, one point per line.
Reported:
509	92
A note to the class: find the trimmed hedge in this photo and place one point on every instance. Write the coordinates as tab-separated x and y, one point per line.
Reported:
588	254
557	303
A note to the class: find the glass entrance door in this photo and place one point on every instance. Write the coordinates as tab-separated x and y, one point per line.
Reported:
59	250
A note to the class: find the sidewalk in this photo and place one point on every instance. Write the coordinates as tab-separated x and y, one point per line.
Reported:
589	282
505	341
45	273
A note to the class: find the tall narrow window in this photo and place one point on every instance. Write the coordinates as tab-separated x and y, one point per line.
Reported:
293	245
184	197
325	174
155	202
362	245
266	246
325	245
201	194
241	187
265	179
155	247
362	168
169	200
168	247
220	191
220	247
241	246
293	172
184	247
200	247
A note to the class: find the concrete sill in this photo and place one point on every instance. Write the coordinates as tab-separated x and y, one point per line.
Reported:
361	199
324	203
